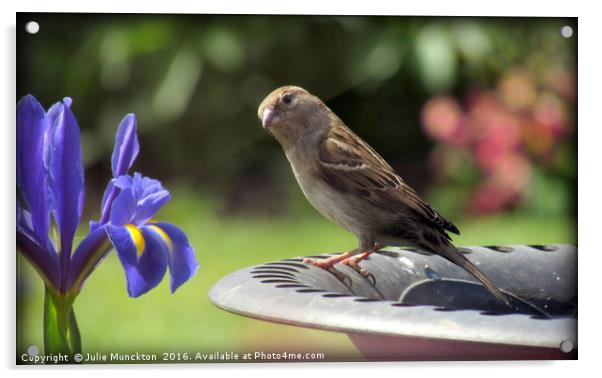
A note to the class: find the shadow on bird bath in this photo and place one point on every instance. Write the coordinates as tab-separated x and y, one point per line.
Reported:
421	306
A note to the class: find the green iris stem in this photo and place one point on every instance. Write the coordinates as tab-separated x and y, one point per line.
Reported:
61	333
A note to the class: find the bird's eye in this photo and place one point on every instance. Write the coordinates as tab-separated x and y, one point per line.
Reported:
287	98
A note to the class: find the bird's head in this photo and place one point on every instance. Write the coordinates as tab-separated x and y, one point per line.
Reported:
291	112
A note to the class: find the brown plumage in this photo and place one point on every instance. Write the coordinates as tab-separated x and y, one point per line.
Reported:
349	183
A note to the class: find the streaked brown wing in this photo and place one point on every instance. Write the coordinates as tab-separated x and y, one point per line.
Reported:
349	164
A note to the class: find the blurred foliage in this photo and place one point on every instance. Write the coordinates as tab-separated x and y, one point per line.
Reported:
195	82
517	136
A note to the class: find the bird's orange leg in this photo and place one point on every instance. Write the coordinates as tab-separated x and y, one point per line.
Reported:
353	262
328	262
351	259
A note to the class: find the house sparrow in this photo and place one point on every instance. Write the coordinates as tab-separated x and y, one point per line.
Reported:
353	186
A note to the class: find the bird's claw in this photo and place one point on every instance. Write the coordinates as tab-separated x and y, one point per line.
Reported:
361	271
309	261
339	275
367	275
329	268
364	273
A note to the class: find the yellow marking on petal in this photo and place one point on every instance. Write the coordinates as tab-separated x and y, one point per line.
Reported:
137	238
163	235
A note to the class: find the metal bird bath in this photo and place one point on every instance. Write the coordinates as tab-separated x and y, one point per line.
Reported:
423	307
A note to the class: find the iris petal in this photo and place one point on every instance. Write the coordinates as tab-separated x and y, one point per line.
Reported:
23	217
123	181
108	197
24	223
142	272
44	262
148	206
87	254
123	207
38	251
106	200
182	261
64	161
132	199
126	146
32	176
146	184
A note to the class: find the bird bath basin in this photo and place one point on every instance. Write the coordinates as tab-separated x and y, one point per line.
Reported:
423	307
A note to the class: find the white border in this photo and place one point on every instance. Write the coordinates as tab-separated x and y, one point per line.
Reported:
590	138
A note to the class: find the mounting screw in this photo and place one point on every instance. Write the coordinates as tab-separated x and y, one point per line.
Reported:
566	346
33	350
566	31
32	27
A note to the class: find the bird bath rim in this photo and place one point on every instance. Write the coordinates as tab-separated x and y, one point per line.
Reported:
291	292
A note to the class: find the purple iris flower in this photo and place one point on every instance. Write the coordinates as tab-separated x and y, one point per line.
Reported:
145	247
50	180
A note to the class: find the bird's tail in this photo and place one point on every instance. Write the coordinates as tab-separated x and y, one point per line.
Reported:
451	253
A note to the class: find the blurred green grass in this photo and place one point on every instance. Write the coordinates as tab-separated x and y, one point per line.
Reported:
110	321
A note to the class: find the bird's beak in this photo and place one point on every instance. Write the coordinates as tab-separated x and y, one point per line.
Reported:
267	117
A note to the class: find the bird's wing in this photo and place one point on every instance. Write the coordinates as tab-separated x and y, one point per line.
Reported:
349	164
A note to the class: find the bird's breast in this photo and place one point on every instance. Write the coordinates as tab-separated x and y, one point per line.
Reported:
333	205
